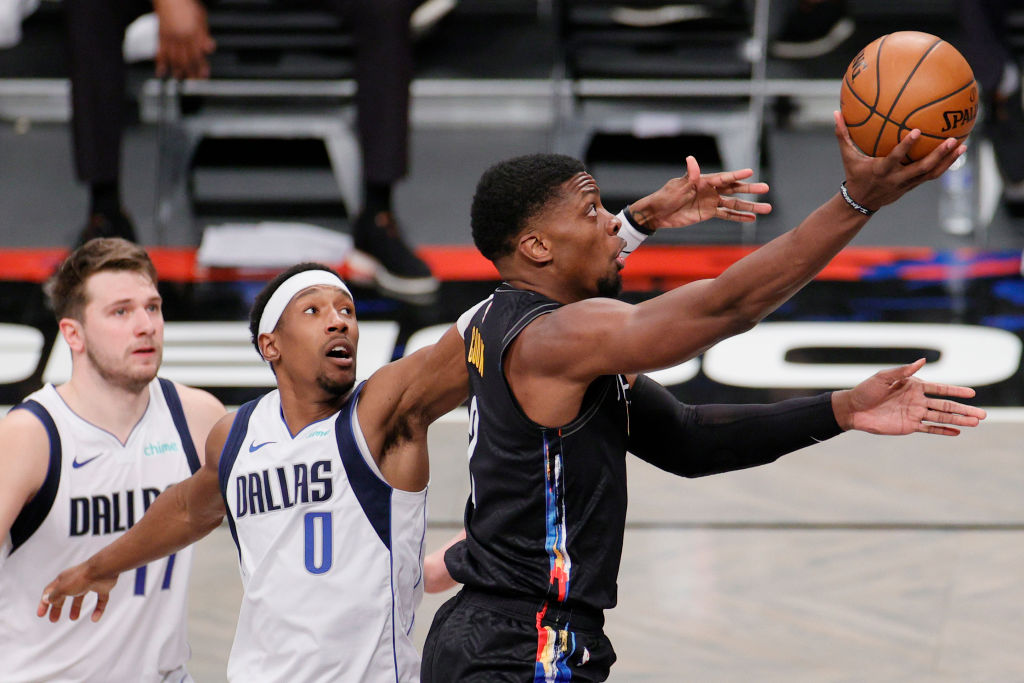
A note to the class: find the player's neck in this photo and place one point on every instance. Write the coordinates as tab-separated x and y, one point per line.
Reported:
543	280
300	409
553	291
110	407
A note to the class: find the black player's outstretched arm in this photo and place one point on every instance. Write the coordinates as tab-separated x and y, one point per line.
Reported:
571	343
695	441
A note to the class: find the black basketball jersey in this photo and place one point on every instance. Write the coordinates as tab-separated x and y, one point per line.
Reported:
547	506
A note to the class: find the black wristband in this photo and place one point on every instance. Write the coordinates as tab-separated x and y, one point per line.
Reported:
854	205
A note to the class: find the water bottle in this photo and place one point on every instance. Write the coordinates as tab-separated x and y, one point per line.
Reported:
957	205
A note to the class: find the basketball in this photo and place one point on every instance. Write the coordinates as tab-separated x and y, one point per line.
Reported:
908	80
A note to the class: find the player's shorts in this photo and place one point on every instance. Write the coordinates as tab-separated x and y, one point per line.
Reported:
480	637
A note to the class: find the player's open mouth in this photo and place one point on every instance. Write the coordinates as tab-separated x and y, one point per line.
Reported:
341	354
144	351
620	260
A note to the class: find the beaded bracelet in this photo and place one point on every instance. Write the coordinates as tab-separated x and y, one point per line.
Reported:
854	205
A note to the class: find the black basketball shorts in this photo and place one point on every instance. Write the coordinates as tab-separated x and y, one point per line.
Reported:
484	638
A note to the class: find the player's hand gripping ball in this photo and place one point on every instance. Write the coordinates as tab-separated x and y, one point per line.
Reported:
908	80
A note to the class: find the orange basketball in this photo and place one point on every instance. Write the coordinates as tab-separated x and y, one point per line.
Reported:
908	80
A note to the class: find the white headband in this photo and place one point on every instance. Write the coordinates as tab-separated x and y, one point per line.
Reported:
287	290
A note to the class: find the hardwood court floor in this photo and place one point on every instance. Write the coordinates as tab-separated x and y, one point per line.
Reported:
861	559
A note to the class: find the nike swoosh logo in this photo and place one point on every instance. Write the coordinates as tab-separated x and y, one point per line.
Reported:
253	446
76	463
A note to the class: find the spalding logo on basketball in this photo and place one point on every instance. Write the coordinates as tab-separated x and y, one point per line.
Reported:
908	80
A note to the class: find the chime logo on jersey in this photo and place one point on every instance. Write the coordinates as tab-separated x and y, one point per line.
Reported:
280	488
109	513
159	448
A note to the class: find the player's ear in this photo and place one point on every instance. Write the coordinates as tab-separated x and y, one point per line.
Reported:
535	247
71	330
268	347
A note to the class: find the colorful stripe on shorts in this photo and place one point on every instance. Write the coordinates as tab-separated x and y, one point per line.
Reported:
554	647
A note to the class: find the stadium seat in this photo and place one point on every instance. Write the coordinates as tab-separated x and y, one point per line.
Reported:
647	69
281	78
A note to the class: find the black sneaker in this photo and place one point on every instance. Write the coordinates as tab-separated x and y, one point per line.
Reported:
399	272
812	29
100	225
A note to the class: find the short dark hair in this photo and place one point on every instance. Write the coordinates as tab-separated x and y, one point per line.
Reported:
512	192
66	288
260	302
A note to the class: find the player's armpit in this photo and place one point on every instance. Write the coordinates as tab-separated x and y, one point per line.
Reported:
400	401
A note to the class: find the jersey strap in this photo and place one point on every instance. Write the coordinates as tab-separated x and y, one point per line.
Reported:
528	317
228	455
374	495
180	423
33	514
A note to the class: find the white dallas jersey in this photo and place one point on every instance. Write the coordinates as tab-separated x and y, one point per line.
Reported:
331	556
95	489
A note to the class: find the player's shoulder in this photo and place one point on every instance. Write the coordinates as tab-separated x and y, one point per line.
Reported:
23	433
198	399
509	310
201	407
202	412
20	420
462	324
587	317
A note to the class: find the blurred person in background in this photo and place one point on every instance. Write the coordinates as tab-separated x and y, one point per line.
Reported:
812	28
986	45
384	66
